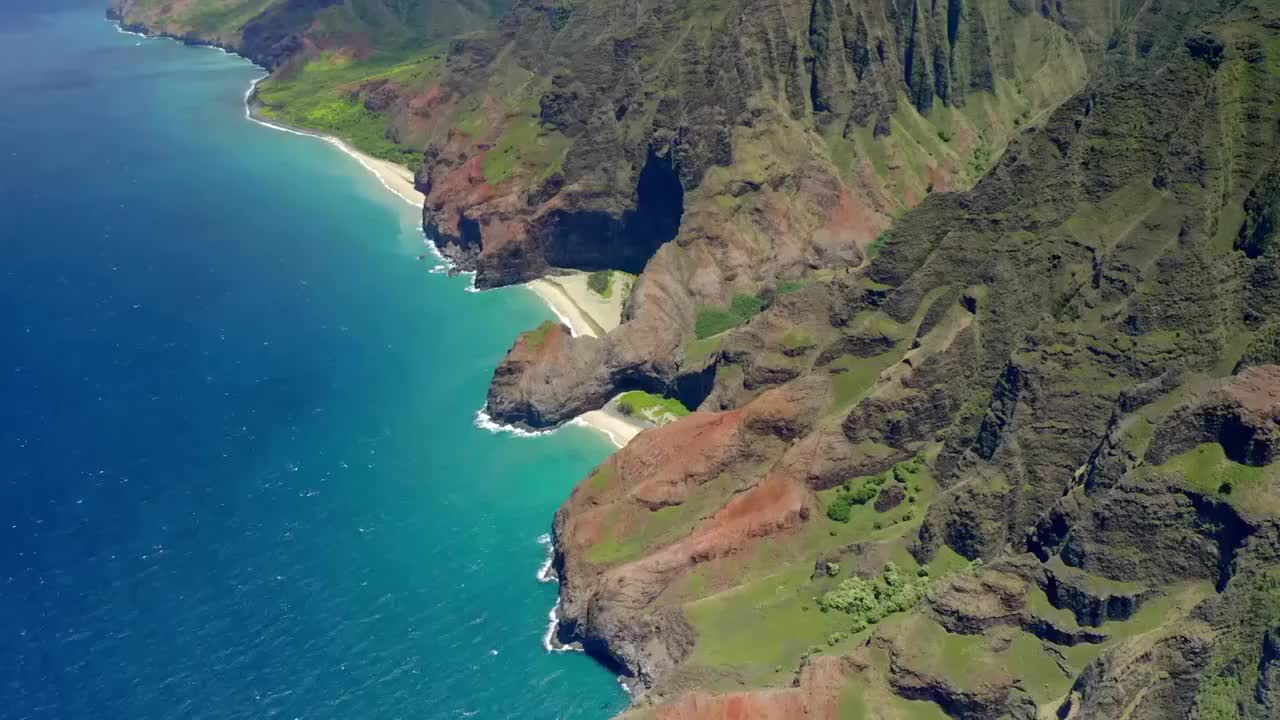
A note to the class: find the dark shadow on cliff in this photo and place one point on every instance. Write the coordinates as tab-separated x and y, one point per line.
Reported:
596	240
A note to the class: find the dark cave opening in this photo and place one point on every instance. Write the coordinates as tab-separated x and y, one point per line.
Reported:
659	202
596	240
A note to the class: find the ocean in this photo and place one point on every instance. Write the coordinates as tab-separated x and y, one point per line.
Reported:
240	475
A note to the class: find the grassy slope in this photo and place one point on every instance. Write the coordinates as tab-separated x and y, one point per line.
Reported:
319	94
400	41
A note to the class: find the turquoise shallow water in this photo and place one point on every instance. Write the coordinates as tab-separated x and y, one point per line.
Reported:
239	476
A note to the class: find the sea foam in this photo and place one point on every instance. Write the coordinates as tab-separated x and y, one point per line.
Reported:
544	573
485	422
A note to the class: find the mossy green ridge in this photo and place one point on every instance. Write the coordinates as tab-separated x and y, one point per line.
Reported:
653	408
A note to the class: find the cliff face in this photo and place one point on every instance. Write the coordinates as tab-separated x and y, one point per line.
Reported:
724	148
1065	368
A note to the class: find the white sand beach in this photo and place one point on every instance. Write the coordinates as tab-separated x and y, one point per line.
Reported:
580	307
620	428
396	178
569	312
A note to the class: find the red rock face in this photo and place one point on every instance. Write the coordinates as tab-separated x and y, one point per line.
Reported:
1257	390
815	697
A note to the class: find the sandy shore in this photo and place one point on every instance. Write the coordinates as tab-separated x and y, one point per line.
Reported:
580	307
605	312
617	426
569	312
396	178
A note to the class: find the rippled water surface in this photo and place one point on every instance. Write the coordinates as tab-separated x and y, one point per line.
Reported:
239	476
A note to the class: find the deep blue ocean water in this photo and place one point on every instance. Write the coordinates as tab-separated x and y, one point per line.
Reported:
239	476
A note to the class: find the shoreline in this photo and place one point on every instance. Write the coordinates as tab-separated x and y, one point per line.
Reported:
396	178
569	313
619	428
579	307
399	180
615	426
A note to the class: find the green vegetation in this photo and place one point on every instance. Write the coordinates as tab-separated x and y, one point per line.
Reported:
601	478
867	602
654	408
221	19
715	320
796	340
850	495
1232	675
1207	469
779	611
878	244
1264	346
853	376
910	473
601	283
525	144
789	286
699	351
322	95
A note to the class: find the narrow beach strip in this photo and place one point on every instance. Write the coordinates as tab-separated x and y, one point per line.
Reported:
396	178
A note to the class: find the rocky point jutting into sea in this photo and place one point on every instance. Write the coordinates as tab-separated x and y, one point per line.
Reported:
974	303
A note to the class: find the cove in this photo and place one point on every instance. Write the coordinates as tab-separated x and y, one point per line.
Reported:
239	472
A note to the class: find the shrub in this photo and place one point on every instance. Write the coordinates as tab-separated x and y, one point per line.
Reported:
878	244
870	601
600	282
842	506
839	509
863	494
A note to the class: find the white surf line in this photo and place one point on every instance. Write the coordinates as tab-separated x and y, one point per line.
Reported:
336	142
120	29
554	617
544	572
564	319
485	422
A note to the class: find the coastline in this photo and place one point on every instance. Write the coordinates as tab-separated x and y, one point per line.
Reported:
559	297
579	307
394	177
562	304
619	428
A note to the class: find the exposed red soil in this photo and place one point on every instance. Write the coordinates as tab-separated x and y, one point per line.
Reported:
1257	390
